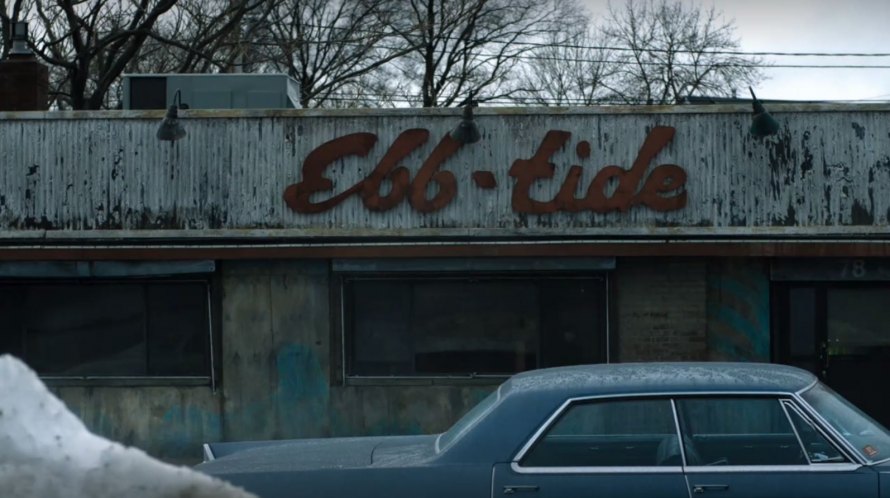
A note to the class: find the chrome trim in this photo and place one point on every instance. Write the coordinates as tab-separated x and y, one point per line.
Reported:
208	453
596	470
532	440
827	428
679	434
821	432
667	395
784	403
822	467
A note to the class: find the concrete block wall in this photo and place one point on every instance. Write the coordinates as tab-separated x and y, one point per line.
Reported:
661	309
277	349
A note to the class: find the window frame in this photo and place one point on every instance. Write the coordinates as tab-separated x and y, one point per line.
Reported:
780	397
211	284
340	327
789	405
555	418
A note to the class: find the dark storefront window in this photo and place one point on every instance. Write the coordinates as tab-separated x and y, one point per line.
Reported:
471	325
107	328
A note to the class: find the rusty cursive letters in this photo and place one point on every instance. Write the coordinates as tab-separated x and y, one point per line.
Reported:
662	190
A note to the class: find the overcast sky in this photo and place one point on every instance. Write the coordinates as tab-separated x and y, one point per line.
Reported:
809	26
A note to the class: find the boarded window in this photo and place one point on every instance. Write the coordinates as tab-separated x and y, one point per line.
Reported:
107	329
483	325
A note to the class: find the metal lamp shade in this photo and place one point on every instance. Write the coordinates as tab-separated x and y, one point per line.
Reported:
170	128
763	124
466	132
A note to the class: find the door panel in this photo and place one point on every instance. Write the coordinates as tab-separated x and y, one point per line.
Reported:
859	483
838	331
670	484
601	448
759	446
858	347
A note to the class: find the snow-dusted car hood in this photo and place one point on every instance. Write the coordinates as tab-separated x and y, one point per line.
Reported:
331	453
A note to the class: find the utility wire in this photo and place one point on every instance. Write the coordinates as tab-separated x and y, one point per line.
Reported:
532	100
531	56
380	34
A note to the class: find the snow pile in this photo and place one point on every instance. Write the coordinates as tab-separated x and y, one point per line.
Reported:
46	452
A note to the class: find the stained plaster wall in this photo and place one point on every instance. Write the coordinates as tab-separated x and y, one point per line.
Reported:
276	379
276	355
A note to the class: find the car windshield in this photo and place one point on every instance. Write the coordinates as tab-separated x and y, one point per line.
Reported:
468	420
870	439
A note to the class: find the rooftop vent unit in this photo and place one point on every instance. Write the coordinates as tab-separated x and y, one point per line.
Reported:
211	91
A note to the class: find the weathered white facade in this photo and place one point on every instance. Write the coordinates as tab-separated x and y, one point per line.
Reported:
600	234
826	172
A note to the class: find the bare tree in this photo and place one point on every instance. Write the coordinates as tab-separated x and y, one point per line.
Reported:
329	46
89	43
202	36
672	50
571	69
463	49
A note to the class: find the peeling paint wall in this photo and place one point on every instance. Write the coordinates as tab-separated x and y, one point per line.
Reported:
823	169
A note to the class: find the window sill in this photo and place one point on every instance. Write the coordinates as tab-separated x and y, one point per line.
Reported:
488	380
125	381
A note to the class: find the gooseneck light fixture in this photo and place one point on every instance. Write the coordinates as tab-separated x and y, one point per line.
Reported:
763	124
171	129
467	132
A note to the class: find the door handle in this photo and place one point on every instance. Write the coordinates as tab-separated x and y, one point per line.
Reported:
701	488
512	488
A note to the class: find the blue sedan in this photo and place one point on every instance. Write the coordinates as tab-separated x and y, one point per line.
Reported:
646	430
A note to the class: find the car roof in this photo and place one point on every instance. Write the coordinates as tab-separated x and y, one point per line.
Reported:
646	378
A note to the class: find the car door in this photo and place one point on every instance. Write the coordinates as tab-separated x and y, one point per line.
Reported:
763	446
599	448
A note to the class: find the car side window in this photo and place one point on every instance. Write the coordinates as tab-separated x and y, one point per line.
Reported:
817	447
612	433
738	431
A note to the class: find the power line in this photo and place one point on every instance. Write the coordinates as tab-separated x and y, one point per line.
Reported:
380	34
537	57
532	100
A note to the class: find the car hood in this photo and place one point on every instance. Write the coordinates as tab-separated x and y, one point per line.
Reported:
330	453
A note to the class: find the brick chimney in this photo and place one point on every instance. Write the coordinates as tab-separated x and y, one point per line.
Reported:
24	81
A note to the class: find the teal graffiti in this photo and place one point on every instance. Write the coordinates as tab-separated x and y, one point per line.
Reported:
183	429
302	393
739	315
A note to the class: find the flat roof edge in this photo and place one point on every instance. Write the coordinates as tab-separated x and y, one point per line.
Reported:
740	108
